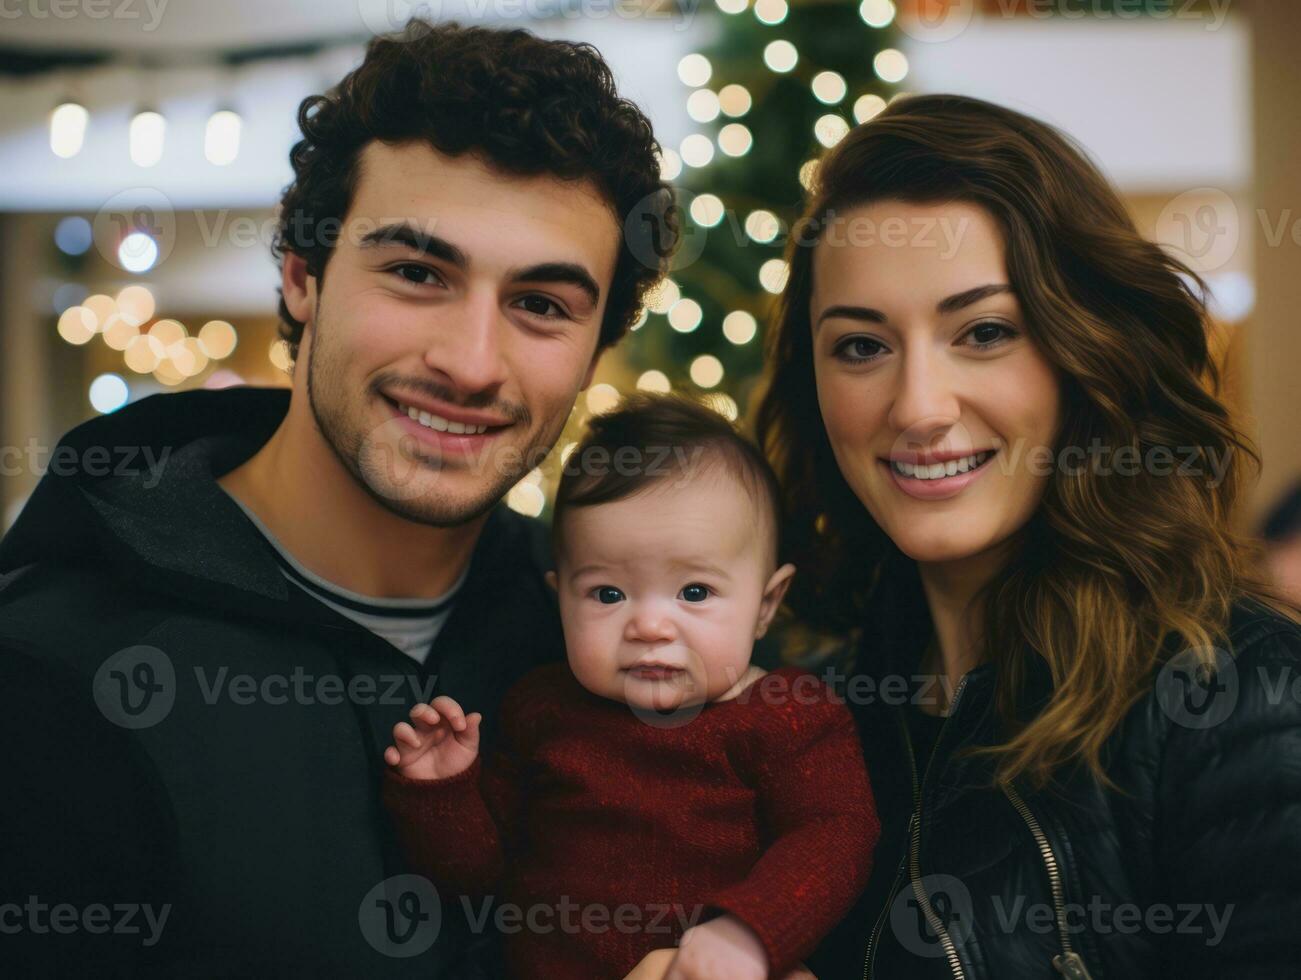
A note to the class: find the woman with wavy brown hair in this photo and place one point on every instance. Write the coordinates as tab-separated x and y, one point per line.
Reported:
1009	481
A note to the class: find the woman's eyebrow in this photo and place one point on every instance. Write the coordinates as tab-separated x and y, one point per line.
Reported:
950	304
957	301
864	313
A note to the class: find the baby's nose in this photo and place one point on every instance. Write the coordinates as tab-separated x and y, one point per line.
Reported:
650	622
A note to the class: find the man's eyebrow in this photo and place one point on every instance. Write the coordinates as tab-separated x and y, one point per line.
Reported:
950	304
408	236
560	272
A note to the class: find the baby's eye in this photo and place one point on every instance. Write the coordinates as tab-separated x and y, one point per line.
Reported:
607	594
695	592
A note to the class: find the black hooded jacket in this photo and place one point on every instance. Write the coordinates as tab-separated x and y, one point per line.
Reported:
192	744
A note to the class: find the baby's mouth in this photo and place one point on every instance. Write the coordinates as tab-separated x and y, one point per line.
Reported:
654	671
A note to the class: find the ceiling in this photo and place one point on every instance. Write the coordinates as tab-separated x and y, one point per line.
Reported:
160	27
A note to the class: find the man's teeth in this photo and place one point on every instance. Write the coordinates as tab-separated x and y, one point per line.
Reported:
936	471
431	421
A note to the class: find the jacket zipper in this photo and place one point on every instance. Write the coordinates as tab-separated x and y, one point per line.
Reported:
1068	962
914	854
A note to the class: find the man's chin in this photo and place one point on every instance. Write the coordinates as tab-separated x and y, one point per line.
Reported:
433	499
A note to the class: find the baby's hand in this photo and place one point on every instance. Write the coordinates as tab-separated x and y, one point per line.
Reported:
440	742
724	948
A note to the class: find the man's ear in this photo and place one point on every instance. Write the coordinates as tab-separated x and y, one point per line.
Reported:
297	287
551	581
773	593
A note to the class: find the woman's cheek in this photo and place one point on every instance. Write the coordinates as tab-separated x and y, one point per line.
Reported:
851	434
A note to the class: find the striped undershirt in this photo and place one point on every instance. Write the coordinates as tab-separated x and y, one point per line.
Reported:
411	625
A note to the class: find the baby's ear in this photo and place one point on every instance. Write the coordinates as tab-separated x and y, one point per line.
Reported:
773	594
551	580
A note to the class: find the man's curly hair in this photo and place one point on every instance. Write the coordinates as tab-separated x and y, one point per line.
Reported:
525	105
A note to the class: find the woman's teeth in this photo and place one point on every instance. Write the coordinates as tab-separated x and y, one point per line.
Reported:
936	471
430	421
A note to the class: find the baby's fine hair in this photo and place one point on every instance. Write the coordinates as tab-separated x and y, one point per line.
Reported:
651	437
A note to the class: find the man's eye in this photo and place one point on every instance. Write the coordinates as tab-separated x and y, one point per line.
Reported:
695	592
607	594
409	269
540	305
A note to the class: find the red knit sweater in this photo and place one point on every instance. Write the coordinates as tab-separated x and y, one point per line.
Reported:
607	834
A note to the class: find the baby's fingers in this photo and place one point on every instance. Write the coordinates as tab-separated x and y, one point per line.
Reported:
451	711
424	714
404	734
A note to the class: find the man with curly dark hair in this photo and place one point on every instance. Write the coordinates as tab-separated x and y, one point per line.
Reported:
474	219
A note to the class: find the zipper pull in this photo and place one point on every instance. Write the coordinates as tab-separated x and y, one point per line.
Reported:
1071	965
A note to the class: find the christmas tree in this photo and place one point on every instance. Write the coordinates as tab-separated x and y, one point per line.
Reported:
779	86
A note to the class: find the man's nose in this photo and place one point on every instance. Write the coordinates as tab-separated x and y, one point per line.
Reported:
467	350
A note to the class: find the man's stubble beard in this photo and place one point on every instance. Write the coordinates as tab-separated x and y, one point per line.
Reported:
366	456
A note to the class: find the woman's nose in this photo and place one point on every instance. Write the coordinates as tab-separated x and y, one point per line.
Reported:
925	403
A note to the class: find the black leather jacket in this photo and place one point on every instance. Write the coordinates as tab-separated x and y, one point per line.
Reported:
1190	868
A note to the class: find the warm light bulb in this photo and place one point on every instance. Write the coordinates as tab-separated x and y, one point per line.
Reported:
68	129
221	137
146	135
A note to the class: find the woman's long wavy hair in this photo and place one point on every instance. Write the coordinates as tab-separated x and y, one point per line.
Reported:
1111	574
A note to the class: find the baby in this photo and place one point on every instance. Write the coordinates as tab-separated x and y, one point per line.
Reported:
659	785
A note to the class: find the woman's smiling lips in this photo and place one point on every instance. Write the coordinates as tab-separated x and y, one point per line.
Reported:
936	476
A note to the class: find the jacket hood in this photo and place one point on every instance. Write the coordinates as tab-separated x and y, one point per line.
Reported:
136	490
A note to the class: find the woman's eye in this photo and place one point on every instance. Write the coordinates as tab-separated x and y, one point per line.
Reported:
864	349
607	594
539	306
418	270
990	333
695	592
